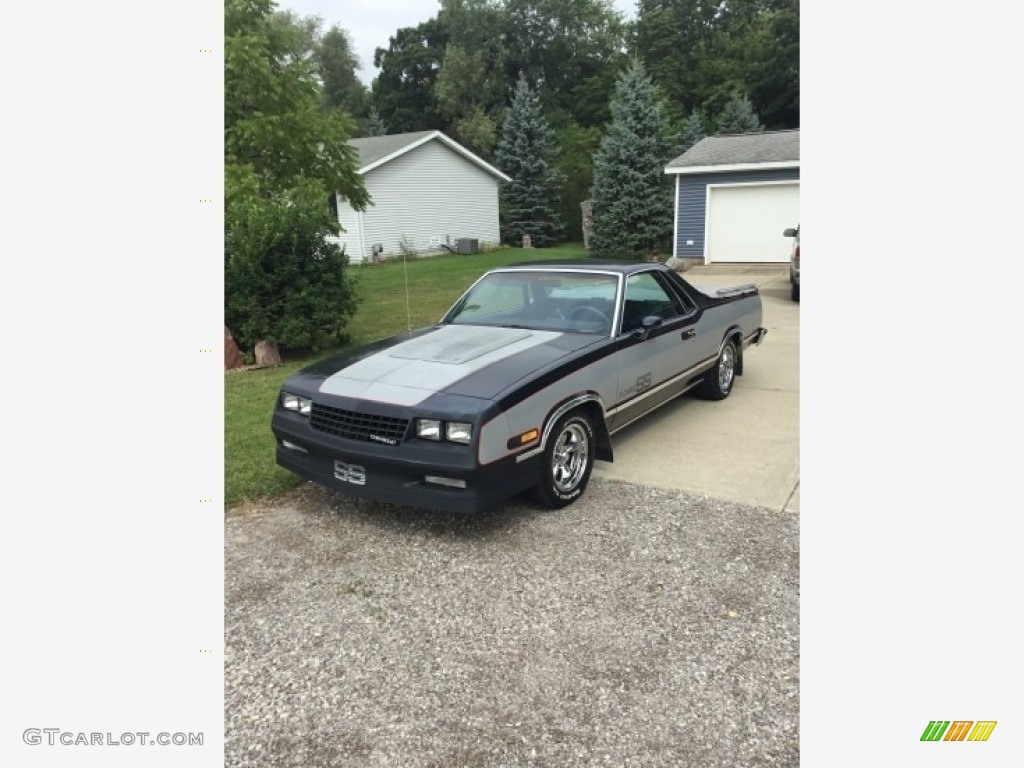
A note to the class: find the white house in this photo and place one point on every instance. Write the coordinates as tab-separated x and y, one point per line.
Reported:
734	197
427	191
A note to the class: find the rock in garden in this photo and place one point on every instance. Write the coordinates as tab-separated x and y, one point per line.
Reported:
267	353
232	354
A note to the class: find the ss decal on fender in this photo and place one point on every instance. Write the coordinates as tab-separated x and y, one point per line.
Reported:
643	383
349	473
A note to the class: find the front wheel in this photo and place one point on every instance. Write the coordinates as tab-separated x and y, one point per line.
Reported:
567	462
719	380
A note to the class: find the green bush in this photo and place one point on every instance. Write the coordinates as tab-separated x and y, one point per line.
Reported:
284	281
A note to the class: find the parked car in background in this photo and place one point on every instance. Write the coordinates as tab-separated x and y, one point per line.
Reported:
794	263
518	387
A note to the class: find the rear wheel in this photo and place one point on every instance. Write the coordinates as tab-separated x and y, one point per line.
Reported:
794	291
567	462
719	380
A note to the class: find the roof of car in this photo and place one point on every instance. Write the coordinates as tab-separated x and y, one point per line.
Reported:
589	265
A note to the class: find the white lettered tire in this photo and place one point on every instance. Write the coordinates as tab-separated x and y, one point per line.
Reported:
567	461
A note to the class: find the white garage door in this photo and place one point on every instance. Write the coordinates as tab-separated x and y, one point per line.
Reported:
745	223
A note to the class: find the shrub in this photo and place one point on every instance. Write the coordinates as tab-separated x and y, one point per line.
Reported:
284	281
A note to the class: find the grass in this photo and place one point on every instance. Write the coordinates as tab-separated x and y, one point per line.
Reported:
250	472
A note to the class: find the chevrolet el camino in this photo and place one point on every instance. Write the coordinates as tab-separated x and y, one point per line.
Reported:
519	387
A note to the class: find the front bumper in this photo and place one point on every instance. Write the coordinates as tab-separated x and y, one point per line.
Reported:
397	474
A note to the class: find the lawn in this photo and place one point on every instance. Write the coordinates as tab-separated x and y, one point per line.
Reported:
434	284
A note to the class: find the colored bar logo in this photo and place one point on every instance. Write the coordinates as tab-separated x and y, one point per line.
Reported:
958	730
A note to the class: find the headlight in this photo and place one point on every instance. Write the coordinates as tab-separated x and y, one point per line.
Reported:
302	405
458	431
438	430
428	429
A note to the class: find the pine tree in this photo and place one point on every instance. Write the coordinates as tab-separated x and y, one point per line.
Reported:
738	116
526	152
692	132
375	124
631	194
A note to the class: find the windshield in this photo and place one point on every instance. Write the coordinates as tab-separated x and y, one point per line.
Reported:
583	302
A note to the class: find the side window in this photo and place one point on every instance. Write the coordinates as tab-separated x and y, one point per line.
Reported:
646	296
685	302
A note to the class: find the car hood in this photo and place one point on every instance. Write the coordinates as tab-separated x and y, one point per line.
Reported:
470	360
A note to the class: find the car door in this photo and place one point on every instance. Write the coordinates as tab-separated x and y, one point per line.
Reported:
656	346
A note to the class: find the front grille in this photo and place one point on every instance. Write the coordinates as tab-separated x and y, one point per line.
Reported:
386	430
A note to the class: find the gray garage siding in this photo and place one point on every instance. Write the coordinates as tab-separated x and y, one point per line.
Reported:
692	201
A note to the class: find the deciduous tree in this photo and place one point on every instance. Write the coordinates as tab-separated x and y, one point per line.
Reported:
284	282
573	48
284	155
338	67
469	96
403	92
576	161
700	53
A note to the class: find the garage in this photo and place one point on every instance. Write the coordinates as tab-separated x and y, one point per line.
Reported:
734	195
745	221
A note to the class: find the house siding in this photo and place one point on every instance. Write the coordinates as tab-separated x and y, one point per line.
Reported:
348	218
427	195
692	198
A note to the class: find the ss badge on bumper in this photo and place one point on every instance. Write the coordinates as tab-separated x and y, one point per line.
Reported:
349	473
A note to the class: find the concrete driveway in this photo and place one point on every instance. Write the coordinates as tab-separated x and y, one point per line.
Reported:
745	448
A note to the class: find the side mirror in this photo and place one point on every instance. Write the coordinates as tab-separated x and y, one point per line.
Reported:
647	325
789	232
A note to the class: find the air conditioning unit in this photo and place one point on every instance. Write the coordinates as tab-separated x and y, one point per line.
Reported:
467	245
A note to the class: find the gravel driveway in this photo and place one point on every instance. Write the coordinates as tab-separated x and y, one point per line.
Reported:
637	627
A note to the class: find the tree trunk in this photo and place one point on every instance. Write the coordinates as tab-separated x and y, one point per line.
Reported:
267	354
587	206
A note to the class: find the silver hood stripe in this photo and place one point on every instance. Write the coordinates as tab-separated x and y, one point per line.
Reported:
410	372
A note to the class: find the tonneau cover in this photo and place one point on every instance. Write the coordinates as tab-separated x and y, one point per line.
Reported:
723	292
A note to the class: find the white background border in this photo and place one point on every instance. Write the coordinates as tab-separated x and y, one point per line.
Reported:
111	284
911	418
111	458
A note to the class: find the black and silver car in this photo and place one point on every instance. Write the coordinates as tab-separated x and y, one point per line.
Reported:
518	387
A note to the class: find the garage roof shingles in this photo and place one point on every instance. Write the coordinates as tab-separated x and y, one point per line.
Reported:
742	149
373	148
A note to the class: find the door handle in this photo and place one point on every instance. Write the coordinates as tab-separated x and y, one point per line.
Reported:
689	333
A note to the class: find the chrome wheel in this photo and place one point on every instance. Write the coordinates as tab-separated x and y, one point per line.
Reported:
721	377
726	368
570	458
